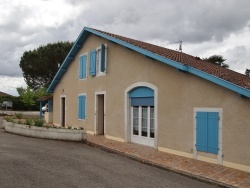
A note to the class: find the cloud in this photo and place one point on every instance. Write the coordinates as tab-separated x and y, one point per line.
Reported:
9	84
192	21
238	58
205	27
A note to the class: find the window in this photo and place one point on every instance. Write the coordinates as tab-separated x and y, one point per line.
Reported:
98	60
82	107
82	67
207	132
143	121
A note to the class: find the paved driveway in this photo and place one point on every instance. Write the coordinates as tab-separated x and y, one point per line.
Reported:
31	162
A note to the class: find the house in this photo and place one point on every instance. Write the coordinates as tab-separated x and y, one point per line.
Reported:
2	94
132	91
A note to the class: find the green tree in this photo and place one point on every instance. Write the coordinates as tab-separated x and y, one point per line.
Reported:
217	59
27	96
40	65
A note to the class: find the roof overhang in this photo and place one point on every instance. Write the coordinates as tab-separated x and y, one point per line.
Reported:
182	67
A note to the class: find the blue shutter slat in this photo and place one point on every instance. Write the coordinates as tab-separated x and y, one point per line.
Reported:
83	107
103	58
79	107
80	68
84	62
213	131
201	131
93	63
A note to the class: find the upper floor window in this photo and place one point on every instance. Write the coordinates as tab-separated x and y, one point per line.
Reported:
98	60
82	67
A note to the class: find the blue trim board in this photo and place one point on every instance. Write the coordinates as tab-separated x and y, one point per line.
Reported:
69	58
219	81
185	68
180	66
141	92
137	49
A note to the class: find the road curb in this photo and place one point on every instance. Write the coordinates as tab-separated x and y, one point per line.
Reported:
147	162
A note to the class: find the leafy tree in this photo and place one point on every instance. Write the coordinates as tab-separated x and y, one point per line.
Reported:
28	96
218	60
40	65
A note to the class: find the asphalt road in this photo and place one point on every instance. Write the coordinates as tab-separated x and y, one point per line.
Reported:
31	162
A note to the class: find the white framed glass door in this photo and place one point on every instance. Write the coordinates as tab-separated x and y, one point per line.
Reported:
142	119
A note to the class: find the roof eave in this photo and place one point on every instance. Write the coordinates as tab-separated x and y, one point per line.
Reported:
69	58
185	68
83	35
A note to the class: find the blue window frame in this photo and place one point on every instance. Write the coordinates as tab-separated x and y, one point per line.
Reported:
81	107
207	132
82	66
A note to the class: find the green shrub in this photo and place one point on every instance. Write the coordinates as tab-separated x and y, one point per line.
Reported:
39	122
9	119
28	122
19	115
69	127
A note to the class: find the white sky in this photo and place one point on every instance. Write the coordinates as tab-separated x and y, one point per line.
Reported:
206	27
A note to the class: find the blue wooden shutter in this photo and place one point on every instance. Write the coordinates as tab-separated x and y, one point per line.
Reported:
201	131
103	58
207	132
81	107
93	63
213	132
84	62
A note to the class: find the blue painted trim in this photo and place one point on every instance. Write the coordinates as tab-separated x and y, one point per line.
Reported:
49	105
84	34
141	92
72	53
219	81
177	65
137	49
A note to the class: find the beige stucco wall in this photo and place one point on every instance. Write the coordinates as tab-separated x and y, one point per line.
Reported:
178	94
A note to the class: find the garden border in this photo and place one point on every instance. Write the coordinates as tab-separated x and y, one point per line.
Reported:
45	132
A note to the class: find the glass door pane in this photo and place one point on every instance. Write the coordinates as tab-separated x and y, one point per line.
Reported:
152	127
144	124
135	120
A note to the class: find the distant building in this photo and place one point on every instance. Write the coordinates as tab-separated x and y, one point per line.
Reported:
2	94
5	105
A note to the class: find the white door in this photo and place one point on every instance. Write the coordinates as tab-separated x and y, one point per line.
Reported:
142	120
